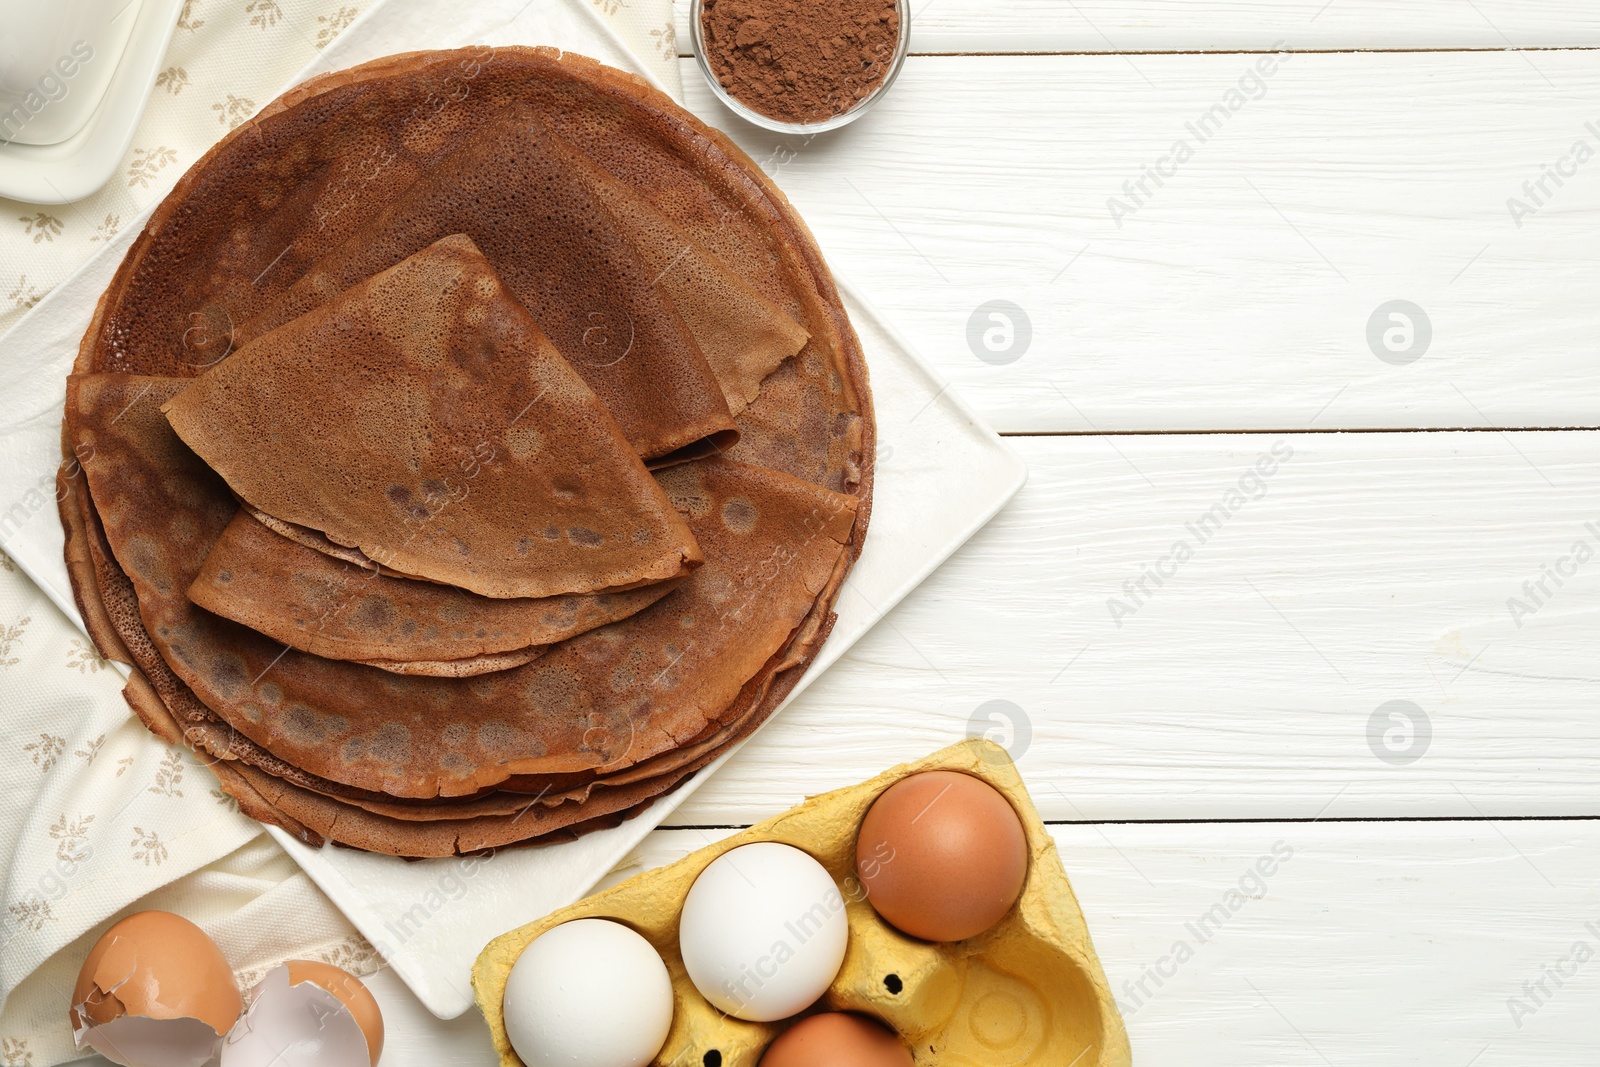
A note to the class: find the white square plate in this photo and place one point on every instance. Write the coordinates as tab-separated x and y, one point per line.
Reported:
941	475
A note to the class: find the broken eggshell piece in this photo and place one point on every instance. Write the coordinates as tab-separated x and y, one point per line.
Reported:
307	1014
155	991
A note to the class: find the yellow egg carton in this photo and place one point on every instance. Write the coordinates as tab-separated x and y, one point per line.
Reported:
1029	992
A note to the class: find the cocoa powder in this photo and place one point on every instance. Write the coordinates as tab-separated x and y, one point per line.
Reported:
800	61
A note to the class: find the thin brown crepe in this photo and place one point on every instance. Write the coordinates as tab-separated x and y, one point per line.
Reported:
421	417
501	819
316	539
106	601
336	609
316	165
607	699
316	820
743	335
584	282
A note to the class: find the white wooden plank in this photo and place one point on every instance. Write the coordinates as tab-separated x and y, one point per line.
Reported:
1375	943
412	1035
1372	568
1230	25
1239	295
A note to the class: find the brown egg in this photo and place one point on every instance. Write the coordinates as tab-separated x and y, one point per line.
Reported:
155	991
942	855
837	1039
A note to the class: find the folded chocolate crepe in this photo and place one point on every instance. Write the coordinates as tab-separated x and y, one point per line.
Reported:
743	335
316	819
264	791
421	417
515	193
172	712
316	539
341	610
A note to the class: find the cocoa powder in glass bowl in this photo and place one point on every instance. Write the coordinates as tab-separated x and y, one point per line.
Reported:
800	66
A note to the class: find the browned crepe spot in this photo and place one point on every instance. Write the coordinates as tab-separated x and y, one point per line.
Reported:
318	604
421	417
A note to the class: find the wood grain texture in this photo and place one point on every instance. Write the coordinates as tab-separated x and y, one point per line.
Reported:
1367	568
1239	295
1375	943
1230	25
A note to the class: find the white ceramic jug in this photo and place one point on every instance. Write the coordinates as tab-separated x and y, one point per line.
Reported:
56	60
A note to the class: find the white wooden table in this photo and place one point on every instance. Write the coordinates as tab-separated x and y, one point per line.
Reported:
1339	665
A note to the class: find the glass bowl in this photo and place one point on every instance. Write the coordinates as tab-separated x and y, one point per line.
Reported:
756	118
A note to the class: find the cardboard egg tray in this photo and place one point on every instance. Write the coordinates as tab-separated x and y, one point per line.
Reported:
1029	992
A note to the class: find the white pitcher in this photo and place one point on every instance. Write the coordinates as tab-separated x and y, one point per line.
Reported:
56	60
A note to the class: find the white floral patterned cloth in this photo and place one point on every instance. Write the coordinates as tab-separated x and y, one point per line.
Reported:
97	817
102	819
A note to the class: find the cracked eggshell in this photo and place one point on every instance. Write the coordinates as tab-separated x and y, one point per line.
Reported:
155	991
307	1014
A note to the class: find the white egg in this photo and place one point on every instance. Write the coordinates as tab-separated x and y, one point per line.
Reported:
763	931
588	993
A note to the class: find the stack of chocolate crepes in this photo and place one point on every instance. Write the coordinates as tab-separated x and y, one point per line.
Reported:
471	448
